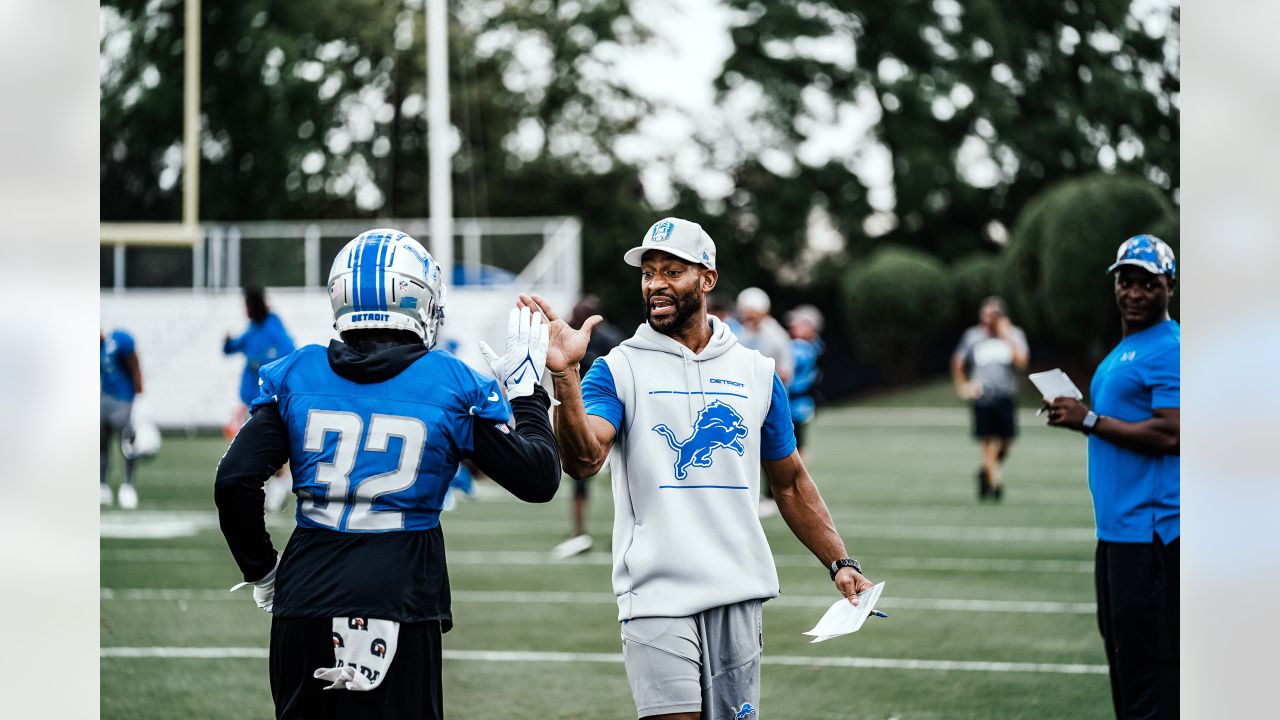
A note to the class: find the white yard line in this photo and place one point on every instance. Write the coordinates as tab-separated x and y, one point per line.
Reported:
538	559
912	417
1033	607
167	524
525	656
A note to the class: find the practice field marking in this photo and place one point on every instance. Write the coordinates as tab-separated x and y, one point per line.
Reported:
167	524
539	559
525	656
1033	607
917	417
170	524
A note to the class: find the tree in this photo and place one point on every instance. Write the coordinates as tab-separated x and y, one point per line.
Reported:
896	304
316	109
1086	221
978	107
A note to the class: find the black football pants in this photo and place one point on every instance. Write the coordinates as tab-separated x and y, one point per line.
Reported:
1137	586
411	688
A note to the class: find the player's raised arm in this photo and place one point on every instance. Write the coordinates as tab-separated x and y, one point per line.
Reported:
584	439
523	459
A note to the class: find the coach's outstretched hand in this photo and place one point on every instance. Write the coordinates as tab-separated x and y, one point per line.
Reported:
525	356
567	346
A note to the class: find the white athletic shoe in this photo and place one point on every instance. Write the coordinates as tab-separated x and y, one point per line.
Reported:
575	545
278	489
127	496
104	495
768	508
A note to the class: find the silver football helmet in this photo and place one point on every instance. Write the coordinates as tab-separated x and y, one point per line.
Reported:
385	279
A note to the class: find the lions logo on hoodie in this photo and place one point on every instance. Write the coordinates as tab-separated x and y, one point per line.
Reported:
717	425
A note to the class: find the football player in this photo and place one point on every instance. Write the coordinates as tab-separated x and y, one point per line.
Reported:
374	427
121	379
264	341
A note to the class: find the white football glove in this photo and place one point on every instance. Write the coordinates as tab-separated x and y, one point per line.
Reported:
264	590
525	357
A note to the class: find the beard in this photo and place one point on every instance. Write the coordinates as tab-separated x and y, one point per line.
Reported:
687	306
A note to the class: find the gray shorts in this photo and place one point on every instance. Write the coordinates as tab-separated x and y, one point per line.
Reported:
116	414
709	662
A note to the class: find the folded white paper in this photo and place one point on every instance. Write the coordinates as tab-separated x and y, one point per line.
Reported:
842	618
1054	384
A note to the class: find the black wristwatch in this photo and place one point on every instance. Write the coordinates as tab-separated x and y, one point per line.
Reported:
844	563
1090	421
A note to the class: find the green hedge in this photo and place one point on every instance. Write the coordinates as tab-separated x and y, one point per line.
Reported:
1053	273
1018	271
896	303
1087	221
973	278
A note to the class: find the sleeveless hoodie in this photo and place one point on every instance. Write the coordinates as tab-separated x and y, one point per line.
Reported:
685	469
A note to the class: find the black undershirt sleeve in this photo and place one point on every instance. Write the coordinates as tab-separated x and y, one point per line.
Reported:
524	460
257	452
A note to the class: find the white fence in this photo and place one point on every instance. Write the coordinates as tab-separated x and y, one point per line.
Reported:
190	384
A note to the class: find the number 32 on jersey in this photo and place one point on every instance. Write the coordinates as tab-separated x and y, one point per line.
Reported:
343	509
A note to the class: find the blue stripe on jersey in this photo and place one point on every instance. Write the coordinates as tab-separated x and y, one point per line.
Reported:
696	392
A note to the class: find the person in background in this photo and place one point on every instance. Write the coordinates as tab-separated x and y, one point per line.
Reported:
604	338
1134	431
121	379
263	342
983	368
762	333
723	311
805	323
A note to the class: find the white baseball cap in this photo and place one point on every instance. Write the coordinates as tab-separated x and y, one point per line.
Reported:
684	239
753	298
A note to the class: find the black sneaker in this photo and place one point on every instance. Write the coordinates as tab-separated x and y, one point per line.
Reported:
983	489
997	493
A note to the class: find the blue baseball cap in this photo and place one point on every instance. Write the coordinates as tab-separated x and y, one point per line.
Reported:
1149	253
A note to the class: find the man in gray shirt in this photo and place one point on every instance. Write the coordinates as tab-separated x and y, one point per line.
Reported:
982	367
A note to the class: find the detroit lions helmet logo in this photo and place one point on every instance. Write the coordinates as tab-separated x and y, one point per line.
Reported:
743	712
717	425
661	231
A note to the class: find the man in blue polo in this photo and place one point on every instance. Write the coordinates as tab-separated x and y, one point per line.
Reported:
1133	431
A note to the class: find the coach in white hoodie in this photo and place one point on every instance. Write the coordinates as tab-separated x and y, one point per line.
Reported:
687	416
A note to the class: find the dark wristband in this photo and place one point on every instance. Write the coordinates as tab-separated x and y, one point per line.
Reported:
844	563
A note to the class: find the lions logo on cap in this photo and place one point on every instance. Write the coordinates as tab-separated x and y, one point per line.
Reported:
661	231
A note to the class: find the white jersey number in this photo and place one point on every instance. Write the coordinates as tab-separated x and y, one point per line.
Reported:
347	508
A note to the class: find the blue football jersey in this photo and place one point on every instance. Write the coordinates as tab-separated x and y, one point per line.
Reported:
114	374
376	457
262	343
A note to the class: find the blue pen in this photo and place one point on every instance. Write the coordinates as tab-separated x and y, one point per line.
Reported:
877	613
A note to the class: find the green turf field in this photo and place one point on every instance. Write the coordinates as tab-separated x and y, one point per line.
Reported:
991	606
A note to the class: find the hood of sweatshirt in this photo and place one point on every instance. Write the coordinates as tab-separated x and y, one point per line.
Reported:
722	340
373	363
646	338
